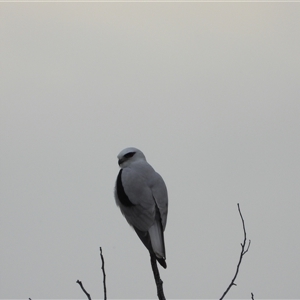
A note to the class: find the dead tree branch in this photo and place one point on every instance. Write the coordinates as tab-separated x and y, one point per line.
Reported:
244	250
104	275
84	290
158	281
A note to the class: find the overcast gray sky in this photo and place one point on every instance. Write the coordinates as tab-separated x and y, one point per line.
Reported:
208	91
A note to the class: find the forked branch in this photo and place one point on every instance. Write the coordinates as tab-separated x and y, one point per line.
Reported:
244	250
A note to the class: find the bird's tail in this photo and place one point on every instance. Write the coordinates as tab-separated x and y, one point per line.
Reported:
153	239
162	262
157	241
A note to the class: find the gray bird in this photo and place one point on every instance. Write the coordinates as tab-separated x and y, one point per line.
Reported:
142	196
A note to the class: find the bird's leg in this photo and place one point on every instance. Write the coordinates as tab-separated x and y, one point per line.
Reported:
158	281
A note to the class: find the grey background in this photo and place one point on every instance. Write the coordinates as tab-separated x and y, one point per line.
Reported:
208	91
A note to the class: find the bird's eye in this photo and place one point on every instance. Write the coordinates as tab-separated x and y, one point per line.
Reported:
129	154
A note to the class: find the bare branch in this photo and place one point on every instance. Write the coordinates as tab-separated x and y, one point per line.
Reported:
252	296
84	290
104	275
158	281
243	252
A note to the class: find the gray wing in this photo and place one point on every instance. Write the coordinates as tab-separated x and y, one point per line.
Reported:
140	210
160	194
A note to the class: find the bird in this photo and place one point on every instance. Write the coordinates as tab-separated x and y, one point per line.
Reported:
142	196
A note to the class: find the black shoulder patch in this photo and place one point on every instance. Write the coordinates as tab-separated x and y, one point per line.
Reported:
121	192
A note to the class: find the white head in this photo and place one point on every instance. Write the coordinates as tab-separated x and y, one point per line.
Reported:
130	155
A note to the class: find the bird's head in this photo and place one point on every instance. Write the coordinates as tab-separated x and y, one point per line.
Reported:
130	155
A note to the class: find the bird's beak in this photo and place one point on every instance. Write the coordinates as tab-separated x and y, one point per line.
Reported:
120	161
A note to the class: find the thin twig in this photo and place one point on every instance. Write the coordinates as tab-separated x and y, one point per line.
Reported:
104	275
243	252
84	290
252	296
158	281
